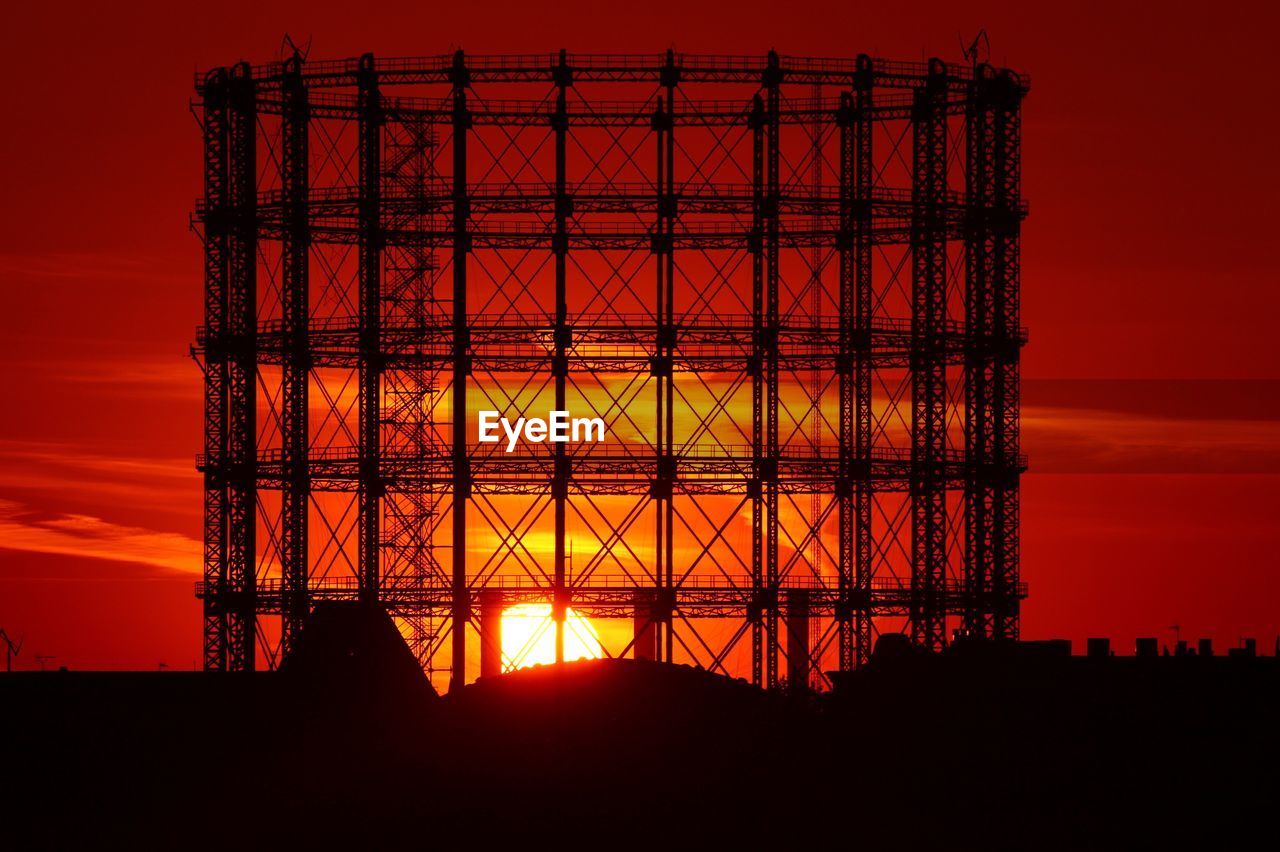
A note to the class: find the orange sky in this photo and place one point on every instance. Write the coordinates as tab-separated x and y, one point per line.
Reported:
1148	263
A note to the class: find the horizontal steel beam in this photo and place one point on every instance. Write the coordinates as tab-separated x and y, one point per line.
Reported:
620	68
614	596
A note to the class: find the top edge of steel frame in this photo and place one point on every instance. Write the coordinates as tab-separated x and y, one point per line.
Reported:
692	67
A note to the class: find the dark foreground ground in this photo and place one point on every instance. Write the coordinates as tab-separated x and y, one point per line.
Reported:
981	748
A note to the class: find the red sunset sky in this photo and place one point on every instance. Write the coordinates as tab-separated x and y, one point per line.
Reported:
1152	381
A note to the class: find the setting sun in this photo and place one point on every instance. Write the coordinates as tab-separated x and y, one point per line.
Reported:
529	637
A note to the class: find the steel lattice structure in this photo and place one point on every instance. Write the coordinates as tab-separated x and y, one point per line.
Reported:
788	285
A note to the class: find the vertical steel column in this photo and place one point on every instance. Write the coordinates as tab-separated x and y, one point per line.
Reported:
662	365
816	377
242	379
670	78
1007	274
461	610
755	488
772	81
845	369
215	370
661	370
863	184
980	482
370	297
928	368
560	360
295	356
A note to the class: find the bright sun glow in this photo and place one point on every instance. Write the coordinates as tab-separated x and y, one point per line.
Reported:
529	636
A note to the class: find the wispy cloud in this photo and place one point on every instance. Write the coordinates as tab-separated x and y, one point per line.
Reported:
164	377
87	536
78	266
1127	426
138	484
1072	441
